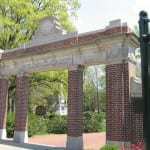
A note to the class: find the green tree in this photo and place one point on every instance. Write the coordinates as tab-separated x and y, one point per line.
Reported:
94	89
47	86
19	18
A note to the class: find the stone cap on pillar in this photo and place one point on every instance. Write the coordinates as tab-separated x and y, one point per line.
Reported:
2	76
76	67
118	23
21	74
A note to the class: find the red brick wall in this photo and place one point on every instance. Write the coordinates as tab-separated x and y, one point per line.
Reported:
75	102
117	102
21	103
3	102
137	129
123	124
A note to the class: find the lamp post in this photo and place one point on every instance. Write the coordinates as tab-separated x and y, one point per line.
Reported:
145	69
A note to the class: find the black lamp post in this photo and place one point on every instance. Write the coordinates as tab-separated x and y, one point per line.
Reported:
145	68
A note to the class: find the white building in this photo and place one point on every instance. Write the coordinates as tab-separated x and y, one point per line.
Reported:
62	106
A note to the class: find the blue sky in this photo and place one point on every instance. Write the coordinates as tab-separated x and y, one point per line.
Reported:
95	14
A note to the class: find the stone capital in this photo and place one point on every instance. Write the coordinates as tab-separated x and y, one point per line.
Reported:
76	67
21	74
4	76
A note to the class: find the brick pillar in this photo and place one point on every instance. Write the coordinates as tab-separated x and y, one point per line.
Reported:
75	109
3	107
21	118
119	124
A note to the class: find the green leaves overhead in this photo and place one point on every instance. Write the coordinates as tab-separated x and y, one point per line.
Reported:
19	18
46	87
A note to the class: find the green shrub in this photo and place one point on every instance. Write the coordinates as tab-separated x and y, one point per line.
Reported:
10	125
110	147
57	124
37	125
94	122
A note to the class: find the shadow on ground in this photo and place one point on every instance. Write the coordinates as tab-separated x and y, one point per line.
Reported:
10	145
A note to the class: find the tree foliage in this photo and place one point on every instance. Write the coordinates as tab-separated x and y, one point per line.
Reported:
46	88
19	18
94	89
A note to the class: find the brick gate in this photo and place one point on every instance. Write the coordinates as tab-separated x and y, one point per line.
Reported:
113	46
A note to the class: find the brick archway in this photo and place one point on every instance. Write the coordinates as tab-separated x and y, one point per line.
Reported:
113	46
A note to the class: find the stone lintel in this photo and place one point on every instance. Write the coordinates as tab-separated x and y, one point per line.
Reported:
66	59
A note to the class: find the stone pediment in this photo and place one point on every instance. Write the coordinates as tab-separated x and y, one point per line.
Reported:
49	30
48	26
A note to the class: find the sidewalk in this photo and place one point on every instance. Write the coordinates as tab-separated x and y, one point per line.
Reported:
92	141
10	145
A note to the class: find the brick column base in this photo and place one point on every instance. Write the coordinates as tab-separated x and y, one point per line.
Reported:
75	109
21	136
74	143
138	146
3	107
21	119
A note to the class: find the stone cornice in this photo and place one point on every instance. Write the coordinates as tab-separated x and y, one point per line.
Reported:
68	43
109	46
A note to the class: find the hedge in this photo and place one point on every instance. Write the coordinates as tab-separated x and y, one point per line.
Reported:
93	122
110	147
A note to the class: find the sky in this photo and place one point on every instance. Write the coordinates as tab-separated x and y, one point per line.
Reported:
96	14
